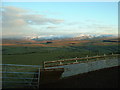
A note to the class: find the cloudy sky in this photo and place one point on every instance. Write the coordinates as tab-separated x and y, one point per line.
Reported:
22	19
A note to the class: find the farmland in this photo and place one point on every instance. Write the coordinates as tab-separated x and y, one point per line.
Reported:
35	52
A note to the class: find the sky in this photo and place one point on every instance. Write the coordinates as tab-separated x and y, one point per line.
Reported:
29	19
60	0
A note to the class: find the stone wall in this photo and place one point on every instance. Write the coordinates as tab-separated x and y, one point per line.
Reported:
74	69
87	66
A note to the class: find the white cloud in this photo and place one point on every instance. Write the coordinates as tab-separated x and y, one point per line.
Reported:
39	19
18	21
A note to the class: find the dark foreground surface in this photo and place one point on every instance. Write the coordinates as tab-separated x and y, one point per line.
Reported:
105	78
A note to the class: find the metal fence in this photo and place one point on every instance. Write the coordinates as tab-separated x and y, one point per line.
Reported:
20	76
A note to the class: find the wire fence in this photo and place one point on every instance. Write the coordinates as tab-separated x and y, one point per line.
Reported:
20	76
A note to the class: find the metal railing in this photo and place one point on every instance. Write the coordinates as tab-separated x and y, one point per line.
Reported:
20	76
77	60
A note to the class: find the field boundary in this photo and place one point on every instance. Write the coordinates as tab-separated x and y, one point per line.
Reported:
76	60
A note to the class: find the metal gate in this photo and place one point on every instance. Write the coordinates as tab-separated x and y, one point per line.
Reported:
20	76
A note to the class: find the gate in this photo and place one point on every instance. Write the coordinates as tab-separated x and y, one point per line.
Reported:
20	76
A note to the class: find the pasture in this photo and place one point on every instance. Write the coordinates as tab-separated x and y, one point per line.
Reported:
35	55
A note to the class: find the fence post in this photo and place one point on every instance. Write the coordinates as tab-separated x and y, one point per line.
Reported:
112	53
87	57
61	63
97	57
38	78
104	56
76	60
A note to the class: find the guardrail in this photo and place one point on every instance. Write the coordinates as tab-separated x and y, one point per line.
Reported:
76	60
20	76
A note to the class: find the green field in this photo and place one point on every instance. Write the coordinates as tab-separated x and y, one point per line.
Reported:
36	55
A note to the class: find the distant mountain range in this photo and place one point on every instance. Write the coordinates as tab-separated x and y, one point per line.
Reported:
73	37
61	40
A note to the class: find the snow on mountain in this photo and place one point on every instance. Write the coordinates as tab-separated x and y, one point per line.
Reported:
80	36
91	36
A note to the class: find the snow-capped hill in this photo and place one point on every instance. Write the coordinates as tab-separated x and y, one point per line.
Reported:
91	36
80	36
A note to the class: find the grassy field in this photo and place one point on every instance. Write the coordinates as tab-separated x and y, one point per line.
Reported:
35	55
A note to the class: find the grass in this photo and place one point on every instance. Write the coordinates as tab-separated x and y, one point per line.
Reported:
36	55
